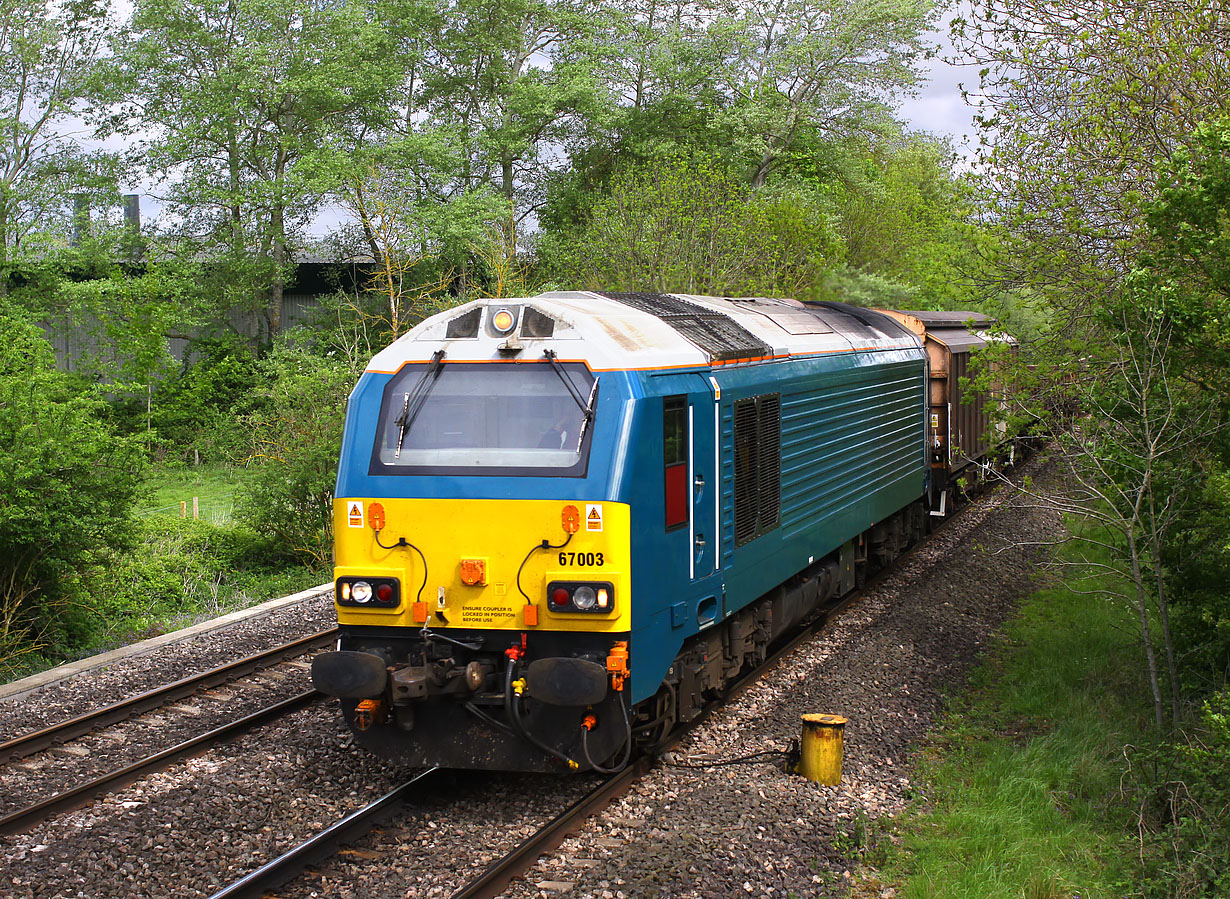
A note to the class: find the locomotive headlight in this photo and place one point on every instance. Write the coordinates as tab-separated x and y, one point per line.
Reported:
503	320
361	591
584	598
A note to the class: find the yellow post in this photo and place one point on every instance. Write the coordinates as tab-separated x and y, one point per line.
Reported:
821	748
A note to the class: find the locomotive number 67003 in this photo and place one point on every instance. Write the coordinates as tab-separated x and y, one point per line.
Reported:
588	560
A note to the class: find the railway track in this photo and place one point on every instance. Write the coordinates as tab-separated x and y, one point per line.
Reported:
57	734
499	874
62	733
496	877
443	831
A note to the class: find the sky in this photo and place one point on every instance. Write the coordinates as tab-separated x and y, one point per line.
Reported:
938	107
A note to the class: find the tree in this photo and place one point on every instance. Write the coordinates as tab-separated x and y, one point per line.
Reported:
1082	104
687	226
47	53
763	87
1138	414
907	217
228	101
1131	437
417	240
296	433
1185	278
68	484
829	68
1188	262
509	84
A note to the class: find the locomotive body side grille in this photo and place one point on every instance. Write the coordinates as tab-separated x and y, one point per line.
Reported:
758	466
769	479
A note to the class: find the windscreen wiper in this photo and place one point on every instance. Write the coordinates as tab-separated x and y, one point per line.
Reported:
589	413
414	400
586	407
559	370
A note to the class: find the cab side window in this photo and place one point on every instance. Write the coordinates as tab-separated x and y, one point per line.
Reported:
675	458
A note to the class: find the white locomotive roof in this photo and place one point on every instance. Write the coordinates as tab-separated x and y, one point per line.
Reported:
609	334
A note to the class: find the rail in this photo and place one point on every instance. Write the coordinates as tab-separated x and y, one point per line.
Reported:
56	734
31	816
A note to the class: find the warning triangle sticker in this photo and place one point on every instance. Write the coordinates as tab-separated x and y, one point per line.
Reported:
356	510
593	515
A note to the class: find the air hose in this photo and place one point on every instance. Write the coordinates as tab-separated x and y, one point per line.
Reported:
512	707
623	762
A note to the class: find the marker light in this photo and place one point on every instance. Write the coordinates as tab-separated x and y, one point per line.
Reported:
596	598
373	592
584	598
503	321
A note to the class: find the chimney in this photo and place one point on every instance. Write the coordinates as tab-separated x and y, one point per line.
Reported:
131	244
132	213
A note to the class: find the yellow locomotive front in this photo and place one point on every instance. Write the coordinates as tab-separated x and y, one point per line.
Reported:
470	563
482	632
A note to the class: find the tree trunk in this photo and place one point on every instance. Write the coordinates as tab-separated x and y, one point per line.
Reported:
1163	608
4	243
506	176
1146	631
237	248
365	219
762	170
278	226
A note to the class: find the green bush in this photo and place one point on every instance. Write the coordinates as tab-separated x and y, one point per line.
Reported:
1198	559
296	433
1185	811
194	411
68	483
181	571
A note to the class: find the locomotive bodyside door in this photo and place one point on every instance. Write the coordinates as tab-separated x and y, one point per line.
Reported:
704	479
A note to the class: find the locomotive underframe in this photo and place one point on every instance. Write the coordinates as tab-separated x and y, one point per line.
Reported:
711	660
456	723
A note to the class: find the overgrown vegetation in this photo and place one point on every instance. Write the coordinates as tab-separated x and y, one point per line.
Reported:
1048	778
80	569
68	482
1107	157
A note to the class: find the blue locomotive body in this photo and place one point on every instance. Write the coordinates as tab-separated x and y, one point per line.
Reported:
851	453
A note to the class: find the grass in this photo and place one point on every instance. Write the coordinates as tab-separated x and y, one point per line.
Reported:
213	485
182	570
1022	782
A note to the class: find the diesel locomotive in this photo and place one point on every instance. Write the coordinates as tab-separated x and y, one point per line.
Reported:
564	522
